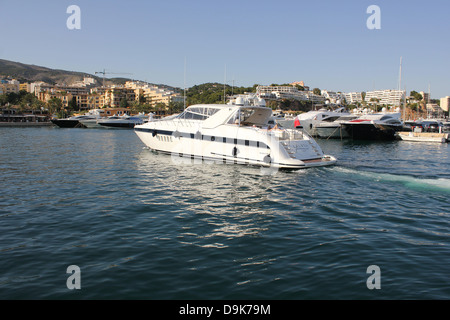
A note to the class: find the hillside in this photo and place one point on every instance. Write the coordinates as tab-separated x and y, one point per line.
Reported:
30	73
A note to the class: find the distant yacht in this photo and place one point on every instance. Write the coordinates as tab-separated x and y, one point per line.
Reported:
124	122
74	121
309	120
376	126
237	132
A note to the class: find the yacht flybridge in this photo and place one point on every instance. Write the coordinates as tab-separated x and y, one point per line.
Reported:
238	132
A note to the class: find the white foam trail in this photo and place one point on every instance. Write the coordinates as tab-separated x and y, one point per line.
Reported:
441	184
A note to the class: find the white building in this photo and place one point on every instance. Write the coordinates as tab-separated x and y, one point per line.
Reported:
287	92
434	111
353	97
9	86
387	97
333	97
445	103
86	82
425	96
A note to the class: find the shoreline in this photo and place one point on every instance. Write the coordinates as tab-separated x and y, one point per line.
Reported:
25	124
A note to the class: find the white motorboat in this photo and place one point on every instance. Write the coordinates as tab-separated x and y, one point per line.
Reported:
77	121
309	120
237	132
125	122
415	136
376	126
112	121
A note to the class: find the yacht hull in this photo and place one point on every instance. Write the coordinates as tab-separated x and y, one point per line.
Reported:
258	149
66	123
331	132
370	131
118	125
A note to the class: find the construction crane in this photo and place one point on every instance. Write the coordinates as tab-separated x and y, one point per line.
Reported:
104	72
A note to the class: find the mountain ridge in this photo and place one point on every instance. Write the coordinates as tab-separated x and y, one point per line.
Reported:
30	73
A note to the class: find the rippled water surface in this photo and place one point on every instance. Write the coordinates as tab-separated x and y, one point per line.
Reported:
141	226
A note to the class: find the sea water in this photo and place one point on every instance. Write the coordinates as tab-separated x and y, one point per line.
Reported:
138	225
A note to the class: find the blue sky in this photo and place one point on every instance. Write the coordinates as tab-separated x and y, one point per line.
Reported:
324	43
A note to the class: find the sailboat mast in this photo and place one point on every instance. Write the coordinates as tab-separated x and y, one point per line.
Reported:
184	96
400	88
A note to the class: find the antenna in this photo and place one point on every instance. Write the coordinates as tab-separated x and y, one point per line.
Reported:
400	83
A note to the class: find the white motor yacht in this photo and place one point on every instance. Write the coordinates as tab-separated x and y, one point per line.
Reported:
237	132
125	121
309	120
77	121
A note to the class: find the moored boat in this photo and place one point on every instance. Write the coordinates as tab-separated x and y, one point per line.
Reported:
332	128
72	122
424	136
377	126
309	120
124	122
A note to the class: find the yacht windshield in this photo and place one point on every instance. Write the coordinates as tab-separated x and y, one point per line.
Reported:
198	113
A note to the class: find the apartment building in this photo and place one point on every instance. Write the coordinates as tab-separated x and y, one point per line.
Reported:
154	95
9	86
300	83
434	111
387	97
353	97
333	97
45	96
90	101
114	96
288	92
445	103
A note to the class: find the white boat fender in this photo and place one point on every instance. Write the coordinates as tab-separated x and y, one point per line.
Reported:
267	159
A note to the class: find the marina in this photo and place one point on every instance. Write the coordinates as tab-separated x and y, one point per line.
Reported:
141	226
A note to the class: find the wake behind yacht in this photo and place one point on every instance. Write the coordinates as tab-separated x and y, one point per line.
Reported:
237	132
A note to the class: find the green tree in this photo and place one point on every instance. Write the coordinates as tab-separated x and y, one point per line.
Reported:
123	103
416	95
317	91
55	105
72	105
